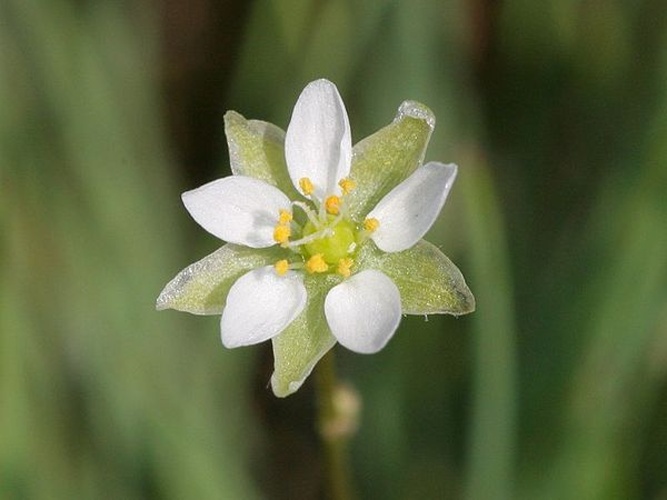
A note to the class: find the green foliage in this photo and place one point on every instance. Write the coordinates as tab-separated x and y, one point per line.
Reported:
428	281
388	157
256	149
298	349
202	287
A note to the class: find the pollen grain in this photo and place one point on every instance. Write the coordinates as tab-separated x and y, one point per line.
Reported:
281	267
347	185
281	233
344	266
371	224
332	205
306	186
316	264
285	217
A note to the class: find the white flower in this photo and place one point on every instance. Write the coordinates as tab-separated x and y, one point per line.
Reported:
364	310
318	248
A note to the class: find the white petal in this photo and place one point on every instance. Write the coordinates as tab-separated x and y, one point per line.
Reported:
237	209
260	305
363	311
409	210
318	143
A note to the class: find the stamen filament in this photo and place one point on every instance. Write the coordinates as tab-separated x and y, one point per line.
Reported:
311	237
338	218
312	217
322	214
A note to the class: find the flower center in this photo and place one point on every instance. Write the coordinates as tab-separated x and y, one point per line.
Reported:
328	239
338	242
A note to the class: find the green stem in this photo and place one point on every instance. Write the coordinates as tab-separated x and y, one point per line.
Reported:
333	439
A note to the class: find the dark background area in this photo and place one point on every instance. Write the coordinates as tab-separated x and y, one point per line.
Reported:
555	112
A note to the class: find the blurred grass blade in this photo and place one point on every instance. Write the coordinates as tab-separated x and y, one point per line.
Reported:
491	452
102	396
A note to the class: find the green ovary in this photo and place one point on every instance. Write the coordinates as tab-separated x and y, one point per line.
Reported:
333	247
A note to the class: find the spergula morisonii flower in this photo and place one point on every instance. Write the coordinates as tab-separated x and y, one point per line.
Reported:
323	239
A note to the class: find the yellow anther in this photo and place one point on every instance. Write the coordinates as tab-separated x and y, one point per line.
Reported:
316	264
347	185
371	224
281	233
306	186
285	217
281	267
344	266
332	205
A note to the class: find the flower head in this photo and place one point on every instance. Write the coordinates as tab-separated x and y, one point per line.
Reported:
324	241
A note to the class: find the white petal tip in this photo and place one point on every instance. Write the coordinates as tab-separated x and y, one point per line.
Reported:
408	211
318	144
237	209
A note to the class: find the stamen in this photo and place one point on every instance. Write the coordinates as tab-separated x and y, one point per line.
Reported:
327	231
316	264
281	267
285	217
281	233
312	216
332	205
371	224
338	217
344	266
306	186
347	185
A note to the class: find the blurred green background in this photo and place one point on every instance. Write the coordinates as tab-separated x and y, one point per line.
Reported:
555	111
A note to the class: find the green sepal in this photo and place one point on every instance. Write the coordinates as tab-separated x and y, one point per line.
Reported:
429	283
202	287
385	159
257	149
298	348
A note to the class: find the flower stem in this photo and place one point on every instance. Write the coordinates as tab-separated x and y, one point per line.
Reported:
337	417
